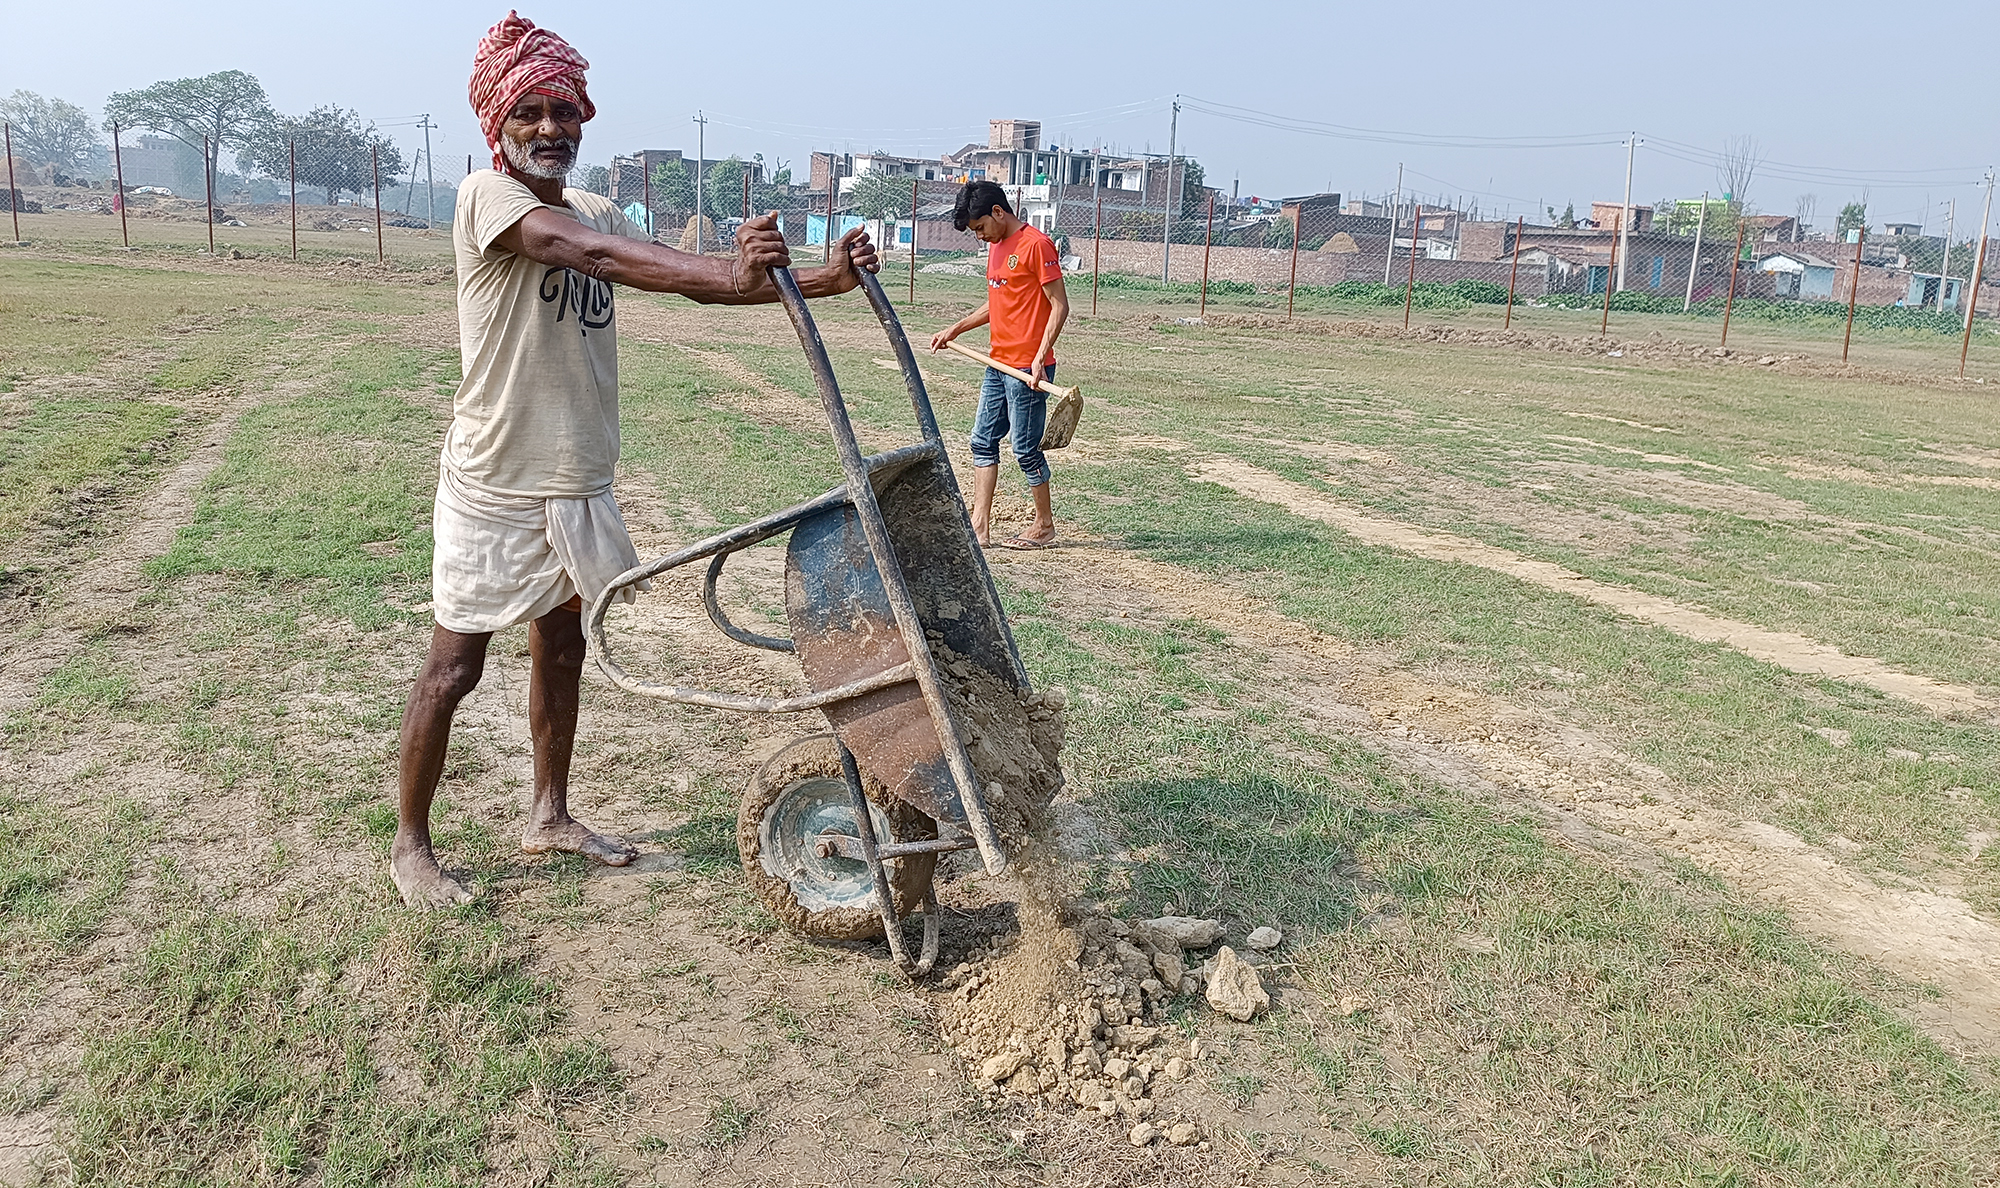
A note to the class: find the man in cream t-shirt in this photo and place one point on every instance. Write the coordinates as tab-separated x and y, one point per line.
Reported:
525	525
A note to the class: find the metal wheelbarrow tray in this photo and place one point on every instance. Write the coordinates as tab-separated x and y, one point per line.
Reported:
840	833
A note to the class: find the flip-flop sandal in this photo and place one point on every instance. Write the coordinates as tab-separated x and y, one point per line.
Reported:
1026	544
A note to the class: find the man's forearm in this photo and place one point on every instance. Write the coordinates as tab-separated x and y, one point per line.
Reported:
657	269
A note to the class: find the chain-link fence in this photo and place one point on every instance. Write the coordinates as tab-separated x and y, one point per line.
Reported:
332	184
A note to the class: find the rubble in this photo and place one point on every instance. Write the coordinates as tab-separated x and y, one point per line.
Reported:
1265	939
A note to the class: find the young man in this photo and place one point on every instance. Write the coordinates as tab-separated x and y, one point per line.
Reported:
525	527
1026	306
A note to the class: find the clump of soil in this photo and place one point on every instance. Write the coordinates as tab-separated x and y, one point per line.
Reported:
1014	738
1072	1009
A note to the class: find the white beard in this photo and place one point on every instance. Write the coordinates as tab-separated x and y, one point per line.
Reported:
518	156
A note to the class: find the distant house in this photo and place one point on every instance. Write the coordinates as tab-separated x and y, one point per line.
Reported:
1924	290
1900	229
1800	274
1606	215
1770	229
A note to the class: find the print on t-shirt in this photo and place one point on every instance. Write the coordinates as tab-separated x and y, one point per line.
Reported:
573	293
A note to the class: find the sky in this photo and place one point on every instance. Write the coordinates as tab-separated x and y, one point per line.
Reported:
1520	109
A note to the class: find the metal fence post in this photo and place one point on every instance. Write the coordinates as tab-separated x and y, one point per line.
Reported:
1208	243
1972	302
1096	243
208	186
1292	289
375	166
914	183
1513	273
1853	292
118	176
1604	325
13	194
1416	228
293	150
1735	262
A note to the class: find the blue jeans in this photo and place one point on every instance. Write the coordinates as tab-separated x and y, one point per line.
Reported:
1010	408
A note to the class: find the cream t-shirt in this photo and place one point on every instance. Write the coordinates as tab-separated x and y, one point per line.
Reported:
537	411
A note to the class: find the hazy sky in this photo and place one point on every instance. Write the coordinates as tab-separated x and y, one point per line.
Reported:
1842	97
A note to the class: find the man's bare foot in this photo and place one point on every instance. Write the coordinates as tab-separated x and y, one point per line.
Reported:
422	884
574	837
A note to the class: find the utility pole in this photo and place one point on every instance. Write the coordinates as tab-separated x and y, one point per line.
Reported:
1978	265
701	167
430	176
1173	199
1944	265
1694	261
1395	206
1625	222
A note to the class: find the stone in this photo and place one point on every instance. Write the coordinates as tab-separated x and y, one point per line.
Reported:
1025	1081
1132	961
1265	939
1176	1069
1182	1134
1187	932
1090	1093
1234	989
999	1068
1117	1067
1132	1035
1169	966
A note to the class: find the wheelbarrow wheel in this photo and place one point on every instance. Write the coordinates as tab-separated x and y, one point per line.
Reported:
798	794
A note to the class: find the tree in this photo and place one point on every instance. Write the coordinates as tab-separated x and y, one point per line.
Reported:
878	195
1802	213
51	132
673	189
226	108
1278	232
594	178
334	150
1566	220
1852	216
1736	166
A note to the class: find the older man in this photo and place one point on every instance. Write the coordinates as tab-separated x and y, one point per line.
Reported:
525	525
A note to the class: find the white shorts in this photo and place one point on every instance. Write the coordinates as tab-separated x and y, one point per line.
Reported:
501	560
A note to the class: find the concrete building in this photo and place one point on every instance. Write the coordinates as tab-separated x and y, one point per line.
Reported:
628	174
1800	274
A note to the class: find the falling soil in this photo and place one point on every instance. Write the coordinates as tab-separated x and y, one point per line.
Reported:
1014	738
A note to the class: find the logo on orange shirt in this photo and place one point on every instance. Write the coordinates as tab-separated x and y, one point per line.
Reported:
1013	262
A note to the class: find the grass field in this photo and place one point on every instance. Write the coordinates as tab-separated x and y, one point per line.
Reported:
1614	738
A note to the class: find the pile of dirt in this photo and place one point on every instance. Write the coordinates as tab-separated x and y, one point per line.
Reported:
1014	738
1072	1010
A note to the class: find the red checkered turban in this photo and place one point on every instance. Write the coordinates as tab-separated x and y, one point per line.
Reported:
517	59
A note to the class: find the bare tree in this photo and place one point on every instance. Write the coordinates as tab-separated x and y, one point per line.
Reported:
1803	209
1736	165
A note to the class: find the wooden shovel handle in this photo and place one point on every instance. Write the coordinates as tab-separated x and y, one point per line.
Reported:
1055	390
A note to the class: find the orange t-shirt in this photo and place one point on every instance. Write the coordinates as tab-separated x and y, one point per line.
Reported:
1016	269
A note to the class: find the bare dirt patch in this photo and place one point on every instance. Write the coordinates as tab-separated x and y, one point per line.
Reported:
1788	650
1593	796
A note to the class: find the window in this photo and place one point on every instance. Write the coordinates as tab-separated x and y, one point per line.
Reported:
1659	270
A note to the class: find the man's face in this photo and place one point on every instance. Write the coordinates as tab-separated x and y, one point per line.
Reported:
989	227
541	136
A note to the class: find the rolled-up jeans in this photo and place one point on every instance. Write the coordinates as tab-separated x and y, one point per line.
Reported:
1008	407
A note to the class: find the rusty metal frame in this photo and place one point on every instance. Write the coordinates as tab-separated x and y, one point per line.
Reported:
863	474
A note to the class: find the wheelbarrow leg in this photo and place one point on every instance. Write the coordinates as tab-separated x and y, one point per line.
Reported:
885	898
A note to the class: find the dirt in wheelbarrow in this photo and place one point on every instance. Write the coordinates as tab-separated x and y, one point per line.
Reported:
1014	739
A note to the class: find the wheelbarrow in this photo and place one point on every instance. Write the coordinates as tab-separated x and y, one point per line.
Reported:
840	833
